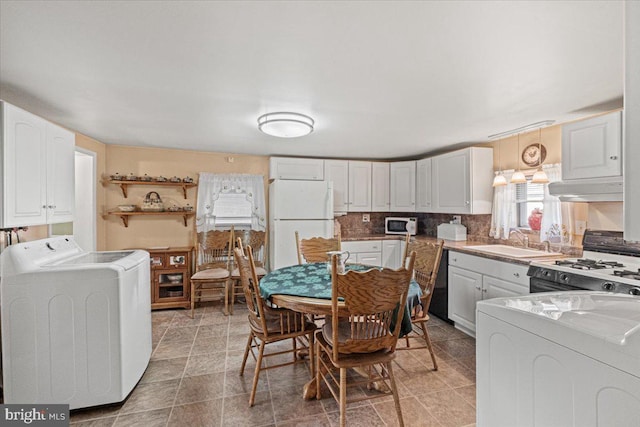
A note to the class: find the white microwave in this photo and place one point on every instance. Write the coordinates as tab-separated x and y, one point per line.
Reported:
397	225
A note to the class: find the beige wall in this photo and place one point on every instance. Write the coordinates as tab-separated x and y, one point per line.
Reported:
149	231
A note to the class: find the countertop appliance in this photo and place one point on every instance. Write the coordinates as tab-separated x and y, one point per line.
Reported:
449	231
558	359
399	225
302	206
608	263
76	326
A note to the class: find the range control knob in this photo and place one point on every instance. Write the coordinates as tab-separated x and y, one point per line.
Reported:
634	291
546	273
608	286
564	277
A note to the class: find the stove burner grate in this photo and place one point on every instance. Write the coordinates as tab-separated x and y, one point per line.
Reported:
589	264
628	274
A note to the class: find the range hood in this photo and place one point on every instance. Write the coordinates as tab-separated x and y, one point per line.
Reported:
588	190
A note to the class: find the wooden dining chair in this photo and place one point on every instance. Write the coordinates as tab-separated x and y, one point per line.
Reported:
427	263
374	302
213	256
315	249
270	325
257	240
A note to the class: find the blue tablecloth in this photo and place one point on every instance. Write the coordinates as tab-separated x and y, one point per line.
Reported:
314	281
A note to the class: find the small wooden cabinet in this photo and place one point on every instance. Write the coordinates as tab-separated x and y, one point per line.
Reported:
170	277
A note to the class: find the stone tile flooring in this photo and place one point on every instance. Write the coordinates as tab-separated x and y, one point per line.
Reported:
192	380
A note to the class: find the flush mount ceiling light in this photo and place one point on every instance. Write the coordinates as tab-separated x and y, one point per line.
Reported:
285	124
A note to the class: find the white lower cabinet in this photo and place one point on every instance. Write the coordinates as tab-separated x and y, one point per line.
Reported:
382	253
474	278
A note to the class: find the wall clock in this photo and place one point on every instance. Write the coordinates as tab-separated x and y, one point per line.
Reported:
534	154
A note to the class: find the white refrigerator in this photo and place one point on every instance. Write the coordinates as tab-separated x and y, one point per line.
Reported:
302	206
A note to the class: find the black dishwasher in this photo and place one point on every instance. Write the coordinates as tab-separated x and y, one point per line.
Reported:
440	299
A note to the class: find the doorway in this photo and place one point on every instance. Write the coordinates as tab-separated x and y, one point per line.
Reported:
84	224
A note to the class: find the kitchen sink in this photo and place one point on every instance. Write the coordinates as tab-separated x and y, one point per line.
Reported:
512	251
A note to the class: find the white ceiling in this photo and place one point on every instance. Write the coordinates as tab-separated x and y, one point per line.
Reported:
381	79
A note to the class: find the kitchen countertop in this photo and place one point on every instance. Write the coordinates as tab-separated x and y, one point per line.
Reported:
459	246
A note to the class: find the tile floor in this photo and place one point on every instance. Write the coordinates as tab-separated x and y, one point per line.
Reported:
192	380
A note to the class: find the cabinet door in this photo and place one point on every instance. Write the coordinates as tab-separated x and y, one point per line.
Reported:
592	148
423	185
337	171
465	289
391	253
369	258
496	288
403	186
296	168
380	186
60	174
451	191
25	166
359	186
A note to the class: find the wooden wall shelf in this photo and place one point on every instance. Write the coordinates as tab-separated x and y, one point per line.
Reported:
125	215
125	184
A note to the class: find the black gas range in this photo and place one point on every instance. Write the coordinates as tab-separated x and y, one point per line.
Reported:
608	264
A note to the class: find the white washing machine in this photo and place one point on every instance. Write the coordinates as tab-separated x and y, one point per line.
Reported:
76	326
559	359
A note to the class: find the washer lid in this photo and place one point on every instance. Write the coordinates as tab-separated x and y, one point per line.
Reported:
605	326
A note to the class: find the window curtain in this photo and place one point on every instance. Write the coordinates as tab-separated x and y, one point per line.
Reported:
210	186
557	217
504	215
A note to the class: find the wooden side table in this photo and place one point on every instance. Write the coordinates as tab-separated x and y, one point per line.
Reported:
170	277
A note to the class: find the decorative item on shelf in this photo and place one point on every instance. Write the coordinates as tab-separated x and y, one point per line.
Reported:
175	179
131	177
499	179
540	177
161	179
146	178
188	208
116	177
174	208
175	277
152	203
187	180
127	208
518	176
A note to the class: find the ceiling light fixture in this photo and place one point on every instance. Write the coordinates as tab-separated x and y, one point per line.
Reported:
518	177
499	180
540	177
285	124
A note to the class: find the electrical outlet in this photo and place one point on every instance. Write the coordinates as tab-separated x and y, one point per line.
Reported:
580	227
366	218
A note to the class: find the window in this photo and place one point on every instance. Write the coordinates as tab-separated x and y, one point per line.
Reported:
232	209
529	196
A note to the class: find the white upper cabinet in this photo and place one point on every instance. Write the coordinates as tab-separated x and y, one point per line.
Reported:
462	181
423	185
403	186
38	170
380	185
359	186
592	148
61	145
296	168
337	171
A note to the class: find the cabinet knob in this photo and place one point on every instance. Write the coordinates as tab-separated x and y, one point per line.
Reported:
467	202
516	274
613	157
478	288
44	206
454	259
484	290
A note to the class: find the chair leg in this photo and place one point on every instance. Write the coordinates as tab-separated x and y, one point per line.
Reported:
317	362
256	374
226	298
394	390
429	346
193	298
232	296
312	358
246	353
343	397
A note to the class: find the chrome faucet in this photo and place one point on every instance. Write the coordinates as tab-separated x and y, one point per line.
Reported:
547	245
522	238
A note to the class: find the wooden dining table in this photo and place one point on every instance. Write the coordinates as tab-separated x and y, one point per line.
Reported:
306	288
